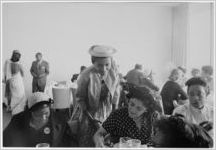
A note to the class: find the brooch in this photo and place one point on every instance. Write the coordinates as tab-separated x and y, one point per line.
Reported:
47	130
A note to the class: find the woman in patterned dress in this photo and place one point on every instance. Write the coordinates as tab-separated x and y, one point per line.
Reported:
134	121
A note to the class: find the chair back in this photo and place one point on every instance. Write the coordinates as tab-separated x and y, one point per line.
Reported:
62	97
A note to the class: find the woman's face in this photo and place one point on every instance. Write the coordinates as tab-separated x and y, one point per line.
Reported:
197	95
41	115
135	108
103	65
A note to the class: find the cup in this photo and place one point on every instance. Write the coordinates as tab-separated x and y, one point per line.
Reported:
43	145
124	142
135	143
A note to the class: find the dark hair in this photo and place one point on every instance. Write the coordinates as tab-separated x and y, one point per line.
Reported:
82	68
197	81
145	95
74	77
15	56
179	133
39	53
138	66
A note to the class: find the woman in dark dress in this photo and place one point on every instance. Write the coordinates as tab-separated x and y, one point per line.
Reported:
172	91
133	121
38	124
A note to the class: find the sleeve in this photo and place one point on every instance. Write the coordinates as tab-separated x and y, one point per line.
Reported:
112	123
47	68
82	90
150	84
32	70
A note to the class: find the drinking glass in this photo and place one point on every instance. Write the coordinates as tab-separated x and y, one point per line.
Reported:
135	143
124	142
43	145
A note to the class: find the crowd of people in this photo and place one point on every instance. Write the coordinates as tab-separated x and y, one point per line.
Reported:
108	106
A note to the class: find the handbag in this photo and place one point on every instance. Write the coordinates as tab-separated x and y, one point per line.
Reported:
74	121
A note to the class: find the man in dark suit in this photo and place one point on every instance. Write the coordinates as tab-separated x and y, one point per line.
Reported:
39	71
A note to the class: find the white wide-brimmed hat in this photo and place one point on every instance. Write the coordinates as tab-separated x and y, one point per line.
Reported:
36	98
102	51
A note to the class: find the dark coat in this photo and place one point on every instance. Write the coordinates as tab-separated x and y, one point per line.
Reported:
17	132
171	91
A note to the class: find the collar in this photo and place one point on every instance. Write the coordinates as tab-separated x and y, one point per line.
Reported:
39	62
197	110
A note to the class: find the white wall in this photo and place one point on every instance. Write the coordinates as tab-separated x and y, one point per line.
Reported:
193	35
200	35
64	32
180	34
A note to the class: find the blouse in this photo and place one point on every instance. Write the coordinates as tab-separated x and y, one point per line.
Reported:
119	124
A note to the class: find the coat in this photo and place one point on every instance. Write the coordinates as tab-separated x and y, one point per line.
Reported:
17	134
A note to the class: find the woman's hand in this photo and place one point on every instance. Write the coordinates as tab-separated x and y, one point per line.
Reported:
99	141
98	137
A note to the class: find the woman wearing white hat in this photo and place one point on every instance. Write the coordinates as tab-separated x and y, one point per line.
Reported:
97	93
37	126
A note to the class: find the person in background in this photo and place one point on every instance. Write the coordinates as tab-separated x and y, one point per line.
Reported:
38	124
13	78
183	76
39	70
206	74
175	132
97	93
172	92
195	72
196	111
137	77
134	121
75	76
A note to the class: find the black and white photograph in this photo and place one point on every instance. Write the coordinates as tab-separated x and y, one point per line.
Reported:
107	74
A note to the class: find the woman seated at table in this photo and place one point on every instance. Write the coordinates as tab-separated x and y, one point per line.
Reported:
133	121
175	132
37	126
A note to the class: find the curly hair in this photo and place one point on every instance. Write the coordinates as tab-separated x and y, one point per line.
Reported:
179	133
145	95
